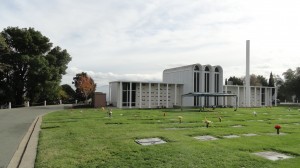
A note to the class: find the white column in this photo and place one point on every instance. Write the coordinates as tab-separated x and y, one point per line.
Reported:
255	97
244	91
158	94
225	103
9	105
149	105
260	97
130	93
167	95
140	94
109	93
212	86
45	103
275	95
202	80
120	95
270	97
238	93
221	86
267	96
175	102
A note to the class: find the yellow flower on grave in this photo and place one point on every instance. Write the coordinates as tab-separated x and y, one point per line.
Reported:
180	118
206	121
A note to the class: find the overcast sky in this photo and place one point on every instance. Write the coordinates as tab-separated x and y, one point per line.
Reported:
137	39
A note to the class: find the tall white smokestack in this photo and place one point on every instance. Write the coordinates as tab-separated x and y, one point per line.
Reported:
247	101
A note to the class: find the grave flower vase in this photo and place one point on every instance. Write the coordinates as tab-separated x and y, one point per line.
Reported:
277	127
207	122
180	118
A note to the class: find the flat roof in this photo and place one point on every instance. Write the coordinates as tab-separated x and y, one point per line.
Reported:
207	94
148	82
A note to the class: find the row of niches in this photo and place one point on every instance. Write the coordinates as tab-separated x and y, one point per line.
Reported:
152	84
147	88
153	100
153	93
155	88
146	97
152	104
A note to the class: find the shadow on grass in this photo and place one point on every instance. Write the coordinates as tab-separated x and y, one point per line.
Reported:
50	127
115	123
65	121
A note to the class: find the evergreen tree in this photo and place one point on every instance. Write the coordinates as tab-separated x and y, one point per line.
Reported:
271	80
235	80
34	69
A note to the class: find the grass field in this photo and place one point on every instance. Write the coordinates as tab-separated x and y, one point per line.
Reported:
89	138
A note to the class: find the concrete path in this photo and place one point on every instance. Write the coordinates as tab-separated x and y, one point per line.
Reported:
14	124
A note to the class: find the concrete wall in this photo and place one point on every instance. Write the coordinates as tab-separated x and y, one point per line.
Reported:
182	75
185	75
114	91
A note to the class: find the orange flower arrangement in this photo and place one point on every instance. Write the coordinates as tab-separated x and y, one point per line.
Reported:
277	127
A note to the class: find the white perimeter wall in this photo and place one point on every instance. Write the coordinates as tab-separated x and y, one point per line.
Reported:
259	96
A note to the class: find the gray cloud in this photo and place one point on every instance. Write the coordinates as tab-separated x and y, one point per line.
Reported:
137	40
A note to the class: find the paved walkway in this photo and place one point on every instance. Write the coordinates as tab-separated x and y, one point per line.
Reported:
14	124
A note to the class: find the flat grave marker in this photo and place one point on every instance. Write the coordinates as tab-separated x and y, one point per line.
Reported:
272	155
250	134
174	128
150	141
237	126
231	136
206	138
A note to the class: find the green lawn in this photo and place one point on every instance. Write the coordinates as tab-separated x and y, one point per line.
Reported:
72	138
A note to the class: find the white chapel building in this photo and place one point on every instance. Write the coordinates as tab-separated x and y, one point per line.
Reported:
195	78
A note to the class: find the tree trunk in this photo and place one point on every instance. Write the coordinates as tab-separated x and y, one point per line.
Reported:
19	98
19	91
